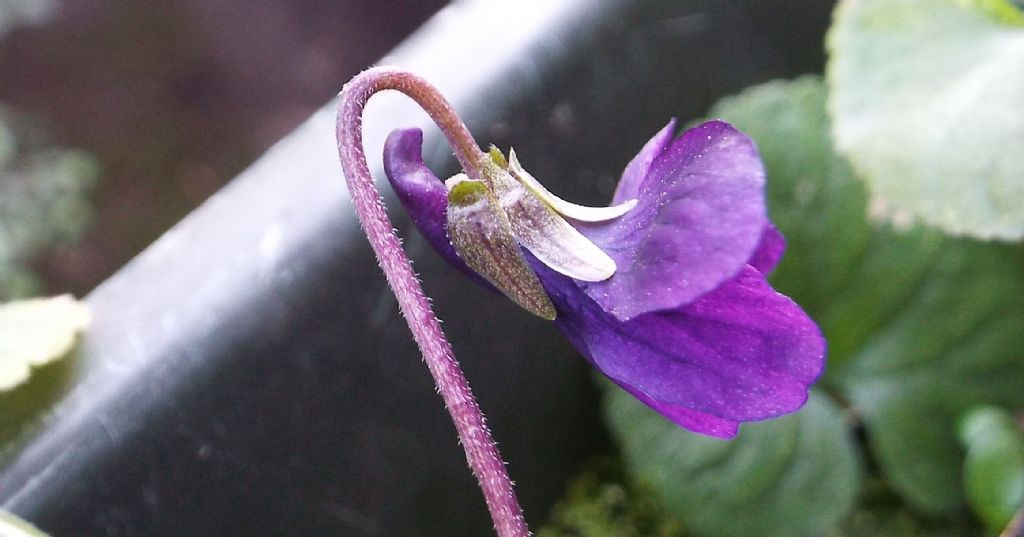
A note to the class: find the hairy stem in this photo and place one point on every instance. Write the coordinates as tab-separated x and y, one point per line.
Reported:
481	451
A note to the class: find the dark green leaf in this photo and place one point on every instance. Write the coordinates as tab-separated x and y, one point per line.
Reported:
920	327
792	476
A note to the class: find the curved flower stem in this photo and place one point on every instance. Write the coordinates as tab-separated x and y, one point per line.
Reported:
481	452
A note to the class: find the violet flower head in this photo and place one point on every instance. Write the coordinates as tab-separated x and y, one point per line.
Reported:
664	292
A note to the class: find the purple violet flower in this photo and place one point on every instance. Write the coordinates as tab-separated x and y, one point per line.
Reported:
687	323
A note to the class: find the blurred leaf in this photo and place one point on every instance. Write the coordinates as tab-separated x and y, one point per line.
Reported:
927	98
994	470
13	526
882	515
1002	10
36	332
42	201
604	502
920	327
889	523
792	476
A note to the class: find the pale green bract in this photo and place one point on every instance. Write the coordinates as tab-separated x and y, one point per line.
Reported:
927	99
36	332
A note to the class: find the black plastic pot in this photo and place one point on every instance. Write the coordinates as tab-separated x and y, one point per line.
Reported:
249	373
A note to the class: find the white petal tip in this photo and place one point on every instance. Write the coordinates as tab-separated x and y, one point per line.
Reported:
589	264
596	214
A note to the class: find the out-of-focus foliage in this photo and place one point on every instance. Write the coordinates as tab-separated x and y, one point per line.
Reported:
927	98
1008	11
42	202
921	328
880	514
36	332
791	476
994	469
42	189
605	502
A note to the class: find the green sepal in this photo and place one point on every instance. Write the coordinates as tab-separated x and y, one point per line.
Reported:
482	235
497	156
541	230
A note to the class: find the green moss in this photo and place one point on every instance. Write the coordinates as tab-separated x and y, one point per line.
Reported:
603	502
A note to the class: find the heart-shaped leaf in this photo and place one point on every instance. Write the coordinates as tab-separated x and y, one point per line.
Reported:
921	327
927	98
788	477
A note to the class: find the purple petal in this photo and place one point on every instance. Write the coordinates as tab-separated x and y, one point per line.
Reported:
683	417
692	420
636	170
743	352
421	193
699	220
769	251
423	196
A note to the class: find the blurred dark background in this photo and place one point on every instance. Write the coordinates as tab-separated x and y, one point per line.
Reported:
175	97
